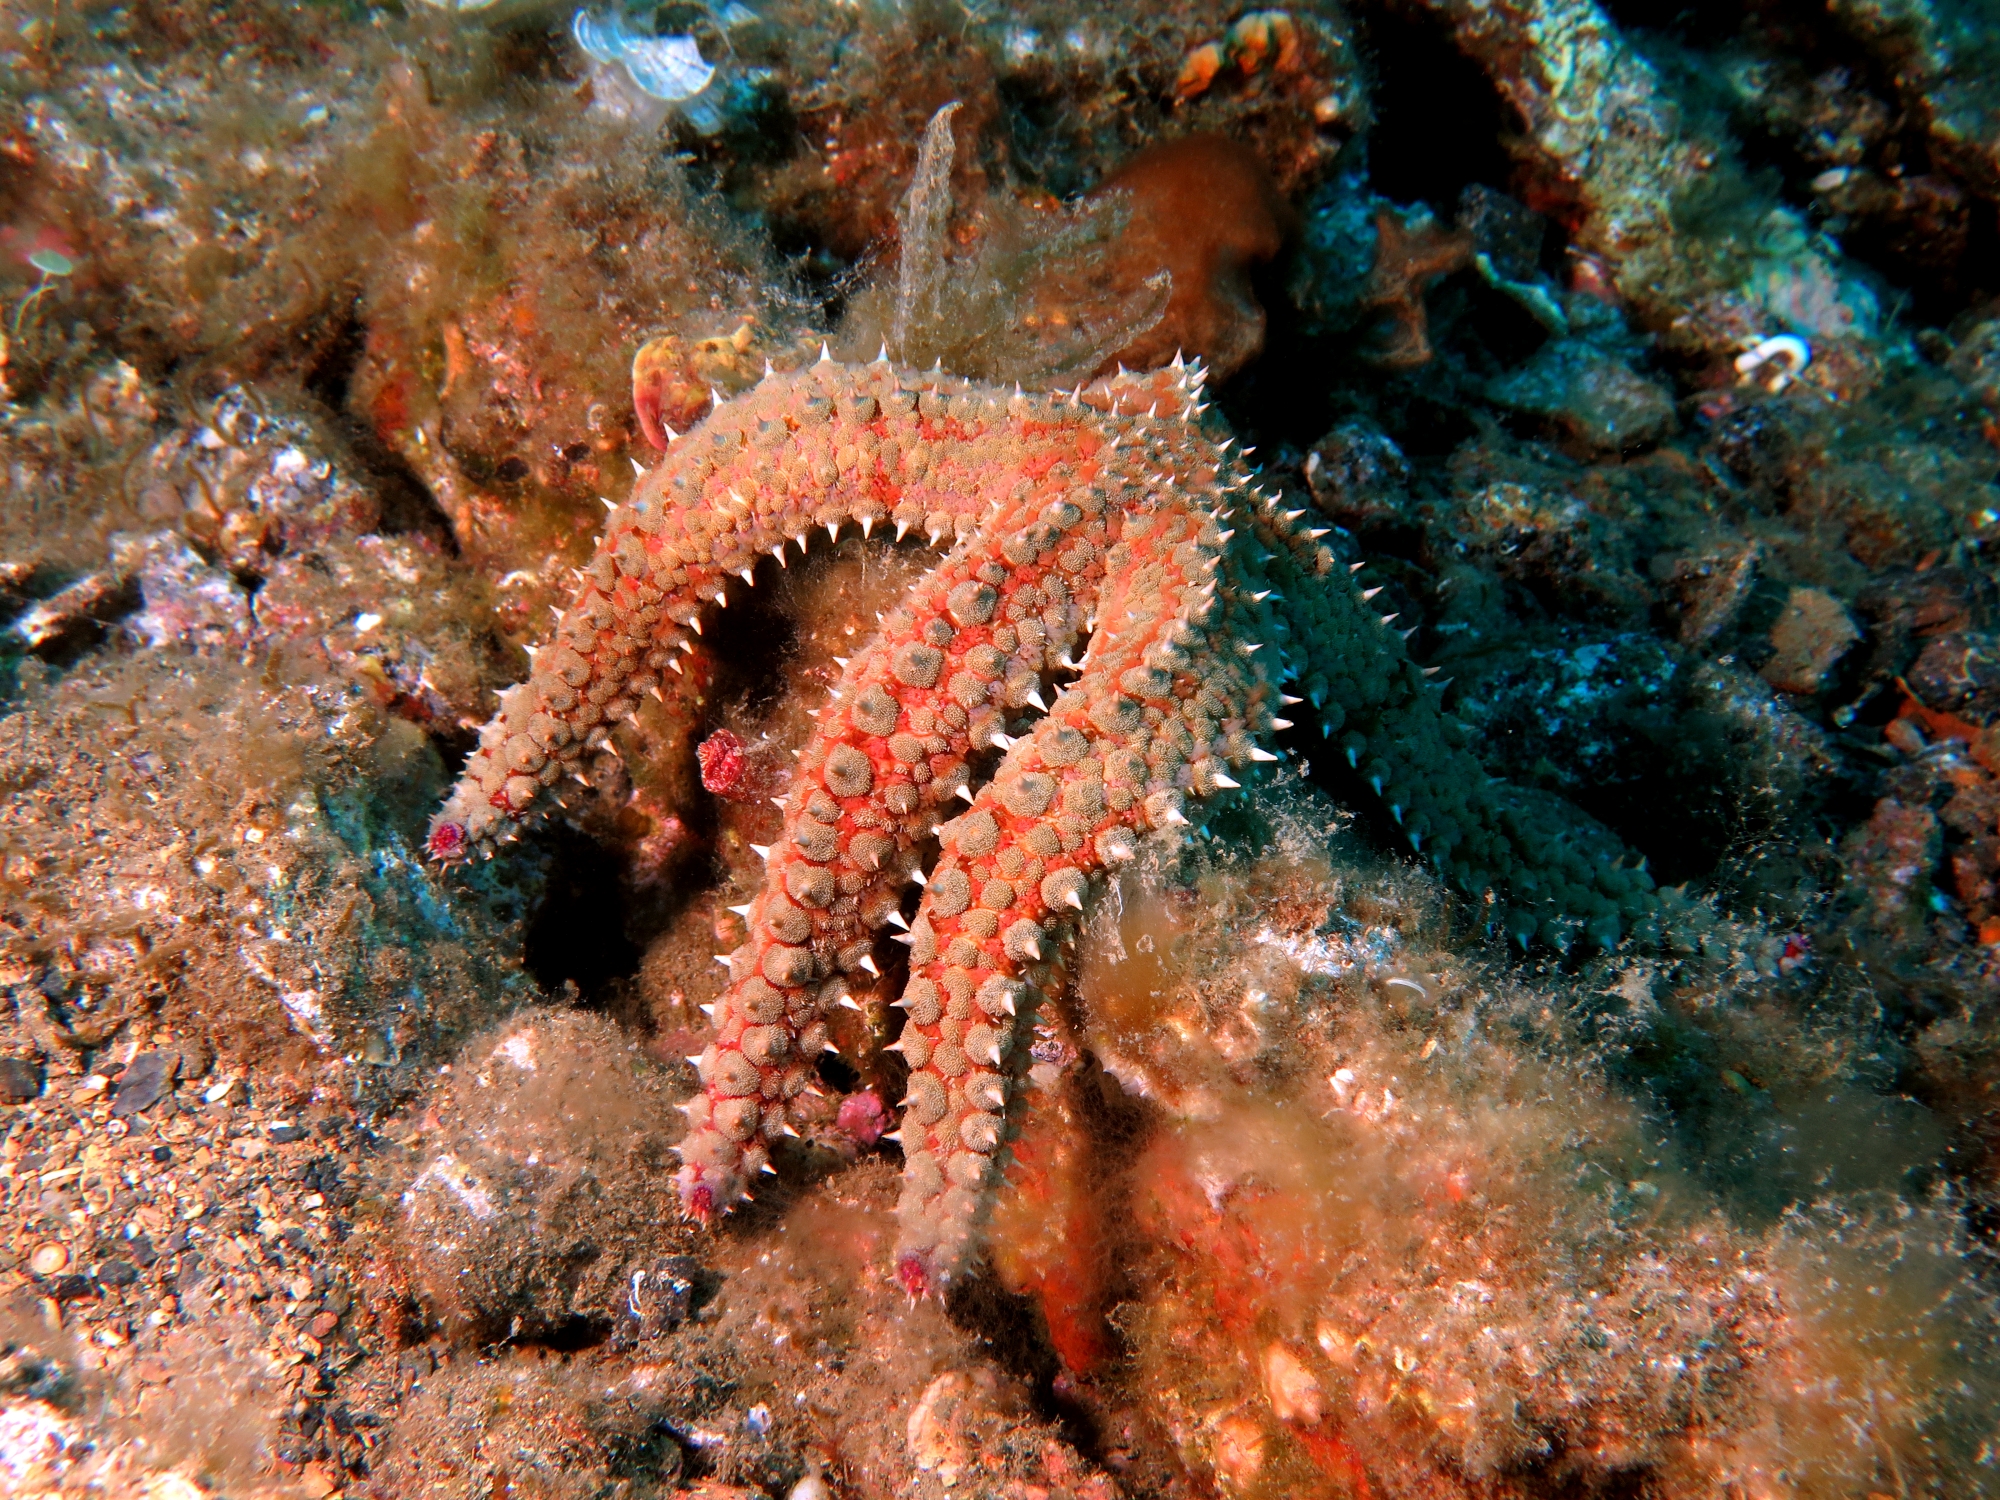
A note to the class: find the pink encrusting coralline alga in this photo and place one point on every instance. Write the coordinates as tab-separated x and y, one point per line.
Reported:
1101	534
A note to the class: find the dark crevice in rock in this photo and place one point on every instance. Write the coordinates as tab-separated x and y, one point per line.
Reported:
575	1336
1013	1327
1439	122
761	631
578	934
407	504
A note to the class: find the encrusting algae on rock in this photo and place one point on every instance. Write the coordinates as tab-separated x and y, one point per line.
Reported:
1378	1225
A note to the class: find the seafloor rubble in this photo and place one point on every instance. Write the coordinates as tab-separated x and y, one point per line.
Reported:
1561	1061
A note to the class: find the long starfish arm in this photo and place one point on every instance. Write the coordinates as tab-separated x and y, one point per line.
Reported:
1165	703
821	447
1384	719
889	752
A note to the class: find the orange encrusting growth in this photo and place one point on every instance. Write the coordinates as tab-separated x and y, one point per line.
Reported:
1049	1233
1204	209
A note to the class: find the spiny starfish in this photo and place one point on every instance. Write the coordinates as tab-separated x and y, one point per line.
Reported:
1107	516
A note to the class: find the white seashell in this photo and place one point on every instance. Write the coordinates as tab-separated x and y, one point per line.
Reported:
1786	352
666	67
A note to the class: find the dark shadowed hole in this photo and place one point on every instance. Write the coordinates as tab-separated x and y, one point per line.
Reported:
577	936
837	1073
1011	1327
455	745
407	503
756	636
574	1336
1301	386
1283	397
1501	332
1015	1337
1439	123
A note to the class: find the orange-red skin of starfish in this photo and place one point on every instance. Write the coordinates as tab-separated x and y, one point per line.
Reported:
971	644
1108	513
